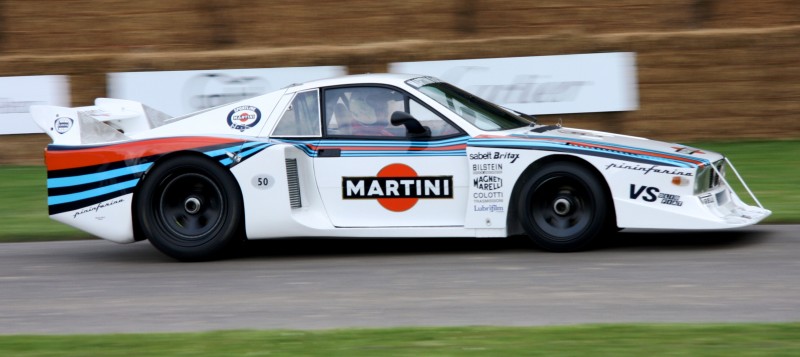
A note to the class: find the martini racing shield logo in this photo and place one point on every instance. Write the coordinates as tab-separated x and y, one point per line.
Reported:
397	187
63	124
244	117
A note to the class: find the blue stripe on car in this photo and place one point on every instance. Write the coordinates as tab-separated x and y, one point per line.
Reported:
55	200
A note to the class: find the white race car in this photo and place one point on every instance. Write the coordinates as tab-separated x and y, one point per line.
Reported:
379	155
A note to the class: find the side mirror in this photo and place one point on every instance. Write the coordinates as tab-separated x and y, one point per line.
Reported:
413	127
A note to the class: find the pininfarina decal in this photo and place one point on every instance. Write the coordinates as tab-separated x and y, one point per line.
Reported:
397	187
646	169
98	207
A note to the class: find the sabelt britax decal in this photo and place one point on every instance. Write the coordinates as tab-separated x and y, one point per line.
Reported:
512	157
244	117
397	187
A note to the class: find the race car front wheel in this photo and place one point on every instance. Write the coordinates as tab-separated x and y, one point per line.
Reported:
190	208
563	207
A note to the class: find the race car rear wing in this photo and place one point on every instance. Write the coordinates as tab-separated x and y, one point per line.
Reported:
108	120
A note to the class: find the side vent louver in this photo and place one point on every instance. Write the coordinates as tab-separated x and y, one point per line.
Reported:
294	183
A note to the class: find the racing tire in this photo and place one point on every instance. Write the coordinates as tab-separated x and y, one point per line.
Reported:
563	207
190	209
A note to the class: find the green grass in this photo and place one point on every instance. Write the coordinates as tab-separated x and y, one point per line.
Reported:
770	168
23	207
582	340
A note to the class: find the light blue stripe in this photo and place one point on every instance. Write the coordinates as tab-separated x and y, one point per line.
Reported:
592	142
544	144
306	149
400	144
228	161
54	200
95	177
406	154
523	137
394	143
232	148
254	150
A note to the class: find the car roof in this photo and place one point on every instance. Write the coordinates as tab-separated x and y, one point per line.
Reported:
396	79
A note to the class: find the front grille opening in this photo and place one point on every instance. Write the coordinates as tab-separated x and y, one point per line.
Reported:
714	178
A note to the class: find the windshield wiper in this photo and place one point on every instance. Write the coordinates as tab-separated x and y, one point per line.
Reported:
532	118
544	128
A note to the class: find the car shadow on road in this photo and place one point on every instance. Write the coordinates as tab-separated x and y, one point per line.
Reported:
685	240
376	246
625	240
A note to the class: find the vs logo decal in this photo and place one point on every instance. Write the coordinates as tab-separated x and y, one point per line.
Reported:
650	193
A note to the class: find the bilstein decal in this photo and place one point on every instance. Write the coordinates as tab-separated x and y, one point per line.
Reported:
397	187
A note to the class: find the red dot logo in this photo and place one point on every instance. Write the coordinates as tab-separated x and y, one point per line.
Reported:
397	204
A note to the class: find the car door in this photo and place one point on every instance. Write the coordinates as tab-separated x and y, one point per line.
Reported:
372	174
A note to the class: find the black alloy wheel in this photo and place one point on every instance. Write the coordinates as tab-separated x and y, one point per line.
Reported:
563	207
190	208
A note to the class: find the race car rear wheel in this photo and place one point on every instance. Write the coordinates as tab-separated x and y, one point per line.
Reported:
189	208
563	207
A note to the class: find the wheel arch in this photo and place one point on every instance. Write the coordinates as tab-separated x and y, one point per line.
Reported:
512	221
137	234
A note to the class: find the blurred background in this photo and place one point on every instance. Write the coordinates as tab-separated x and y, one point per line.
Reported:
705	69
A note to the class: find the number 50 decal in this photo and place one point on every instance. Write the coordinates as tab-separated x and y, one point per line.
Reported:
262	182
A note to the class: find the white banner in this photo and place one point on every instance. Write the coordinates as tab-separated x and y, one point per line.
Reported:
583	83
17	94
182	92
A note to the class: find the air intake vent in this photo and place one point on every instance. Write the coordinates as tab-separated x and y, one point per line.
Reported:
714	179
294	183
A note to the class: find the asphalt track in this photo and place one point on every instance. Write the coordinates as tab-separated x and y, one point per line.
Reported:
100	287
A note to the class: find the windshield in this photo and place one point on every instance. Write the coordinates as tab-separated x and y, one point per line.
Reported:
477	111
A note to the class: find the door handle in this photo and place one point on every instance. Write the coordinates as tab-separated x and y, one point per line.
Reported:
329	152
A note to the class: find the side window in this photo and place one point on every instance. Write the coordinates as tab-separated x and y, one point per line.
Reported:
438	126
301	117
362	111
366	112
